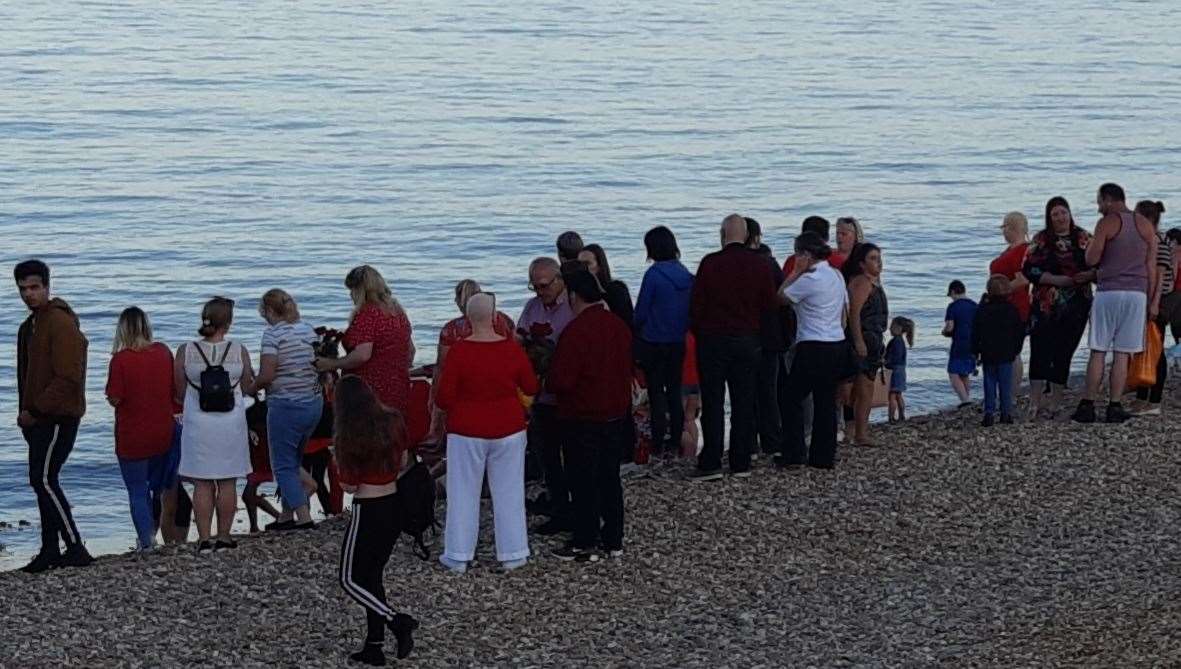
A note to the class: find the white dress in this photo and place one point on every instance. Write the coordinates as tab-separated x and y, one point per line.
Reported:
214	445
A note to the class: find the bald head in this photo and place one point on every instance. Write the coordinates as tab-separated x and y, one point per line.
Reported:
481	307
733	230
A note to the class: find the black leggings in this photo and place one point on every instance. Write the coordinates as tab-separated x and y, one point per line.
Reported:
1052	344
368	542
49	446
317	465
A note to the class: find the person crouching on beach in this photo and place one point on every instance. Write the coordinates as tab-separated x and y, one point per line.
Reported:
486	434
51	390
210	376
371	447
901	338
139	386
957	324
591	376
997	334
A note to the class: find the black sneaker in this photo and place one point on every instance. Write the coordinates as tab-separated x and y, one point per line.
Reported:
569	553
1116	413
76	556
552	527
1085	413
310	525
740	474
403	627
205	547
780	463
371	654
280	526
1006	419
988	420
42	563
224	544
706	475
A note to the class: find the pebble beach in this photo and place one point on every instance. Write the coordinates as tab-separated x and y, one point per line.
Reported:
947	544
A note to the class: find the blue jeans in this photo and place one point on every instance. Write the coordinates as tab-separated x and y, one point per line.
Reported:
290	424
147	480
998	378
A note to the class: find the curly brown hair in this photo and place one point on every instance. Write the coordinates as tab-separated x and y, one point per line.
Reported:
370	438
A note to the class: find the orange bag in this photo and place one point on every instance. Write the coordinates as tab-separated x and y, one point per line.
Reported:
1142	368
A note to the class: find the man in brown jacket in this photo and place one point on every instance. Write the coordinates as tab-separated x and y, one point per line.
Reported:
51	383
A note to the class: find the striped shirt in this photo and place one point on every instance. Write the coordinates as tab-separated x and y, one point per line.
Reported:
292	343
1164	260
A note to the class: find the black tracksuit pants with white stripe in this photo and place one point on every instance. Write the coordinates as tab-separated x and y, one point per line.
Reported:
49	446
368	542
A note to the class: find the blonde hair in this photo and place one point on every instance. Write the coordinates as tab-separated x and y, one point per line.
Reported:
367	286
1017	219
134	331
279	303
858	233
217	314
464	291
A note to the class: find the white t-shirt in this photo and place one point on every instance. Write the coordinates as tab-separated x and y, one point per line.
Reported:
819	297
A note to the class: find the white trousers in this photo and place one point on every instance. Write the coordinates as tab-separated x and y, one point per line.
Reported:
467	460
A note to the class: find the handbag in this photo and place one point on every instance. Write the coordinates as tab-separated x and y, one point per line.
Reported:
881	388
1142	368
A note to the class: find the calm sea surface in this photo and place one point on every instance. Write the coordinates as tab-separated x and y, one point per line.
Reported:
159	153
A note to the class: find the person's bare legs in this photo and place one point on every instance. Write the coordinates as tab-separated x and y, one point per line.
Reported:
227	505
960	385
690	437
1095	366
862	404
892	410
1119	374
167	520
203	492
1037	392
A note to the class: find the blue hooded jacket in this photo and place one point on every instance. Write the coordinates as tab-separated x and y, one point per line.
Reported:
662	309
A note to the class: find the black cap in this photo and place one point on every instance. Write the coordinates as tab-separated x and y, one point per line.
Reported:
956	288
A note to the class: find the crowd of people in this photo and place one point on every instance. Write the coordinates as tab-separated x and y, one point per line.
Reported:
800	349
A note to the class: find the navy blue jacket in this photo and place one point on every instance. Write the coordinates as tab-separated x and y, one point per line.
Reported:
662	308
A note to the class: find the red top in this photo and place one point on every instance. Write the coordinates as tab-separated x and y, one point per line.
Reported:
461	328
317	444
142	382
388	371
1010	263
368	478
478	389
591	370
733	288
689	367
836	261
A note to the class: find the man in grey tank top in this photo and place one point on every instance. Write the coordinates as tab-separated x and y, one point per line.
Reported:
1123	252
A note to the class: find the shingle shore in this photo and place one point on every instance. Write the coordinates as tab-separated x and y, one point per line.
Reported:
1016	546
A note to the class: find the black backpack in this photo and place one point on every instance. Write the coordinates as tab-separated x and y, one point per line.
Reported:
216	393
416	494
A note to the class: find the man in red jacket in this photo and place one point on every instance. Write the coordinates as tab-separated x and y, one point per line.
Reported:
733	294
591	375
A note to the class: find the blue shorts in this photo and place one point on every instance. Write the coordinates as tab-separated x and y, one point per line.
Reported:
898	380
961	366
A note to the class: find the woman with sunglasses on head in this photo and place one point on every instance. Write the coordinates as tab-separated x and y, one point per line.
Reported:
378	340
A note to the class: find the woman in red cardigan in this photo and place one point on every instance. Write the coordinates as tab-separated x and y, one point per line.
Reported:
480	390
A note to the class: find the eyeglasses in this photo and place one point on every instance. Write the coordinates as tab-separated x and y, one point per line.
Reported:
538	287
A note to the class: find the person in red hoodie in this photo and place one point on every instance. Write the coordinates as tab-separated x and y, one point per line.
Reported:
591	376
485	434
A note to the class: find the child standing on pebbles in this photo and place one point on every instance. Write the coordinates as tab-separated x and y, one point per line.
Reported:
996	337
902	337
371	449
957	324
